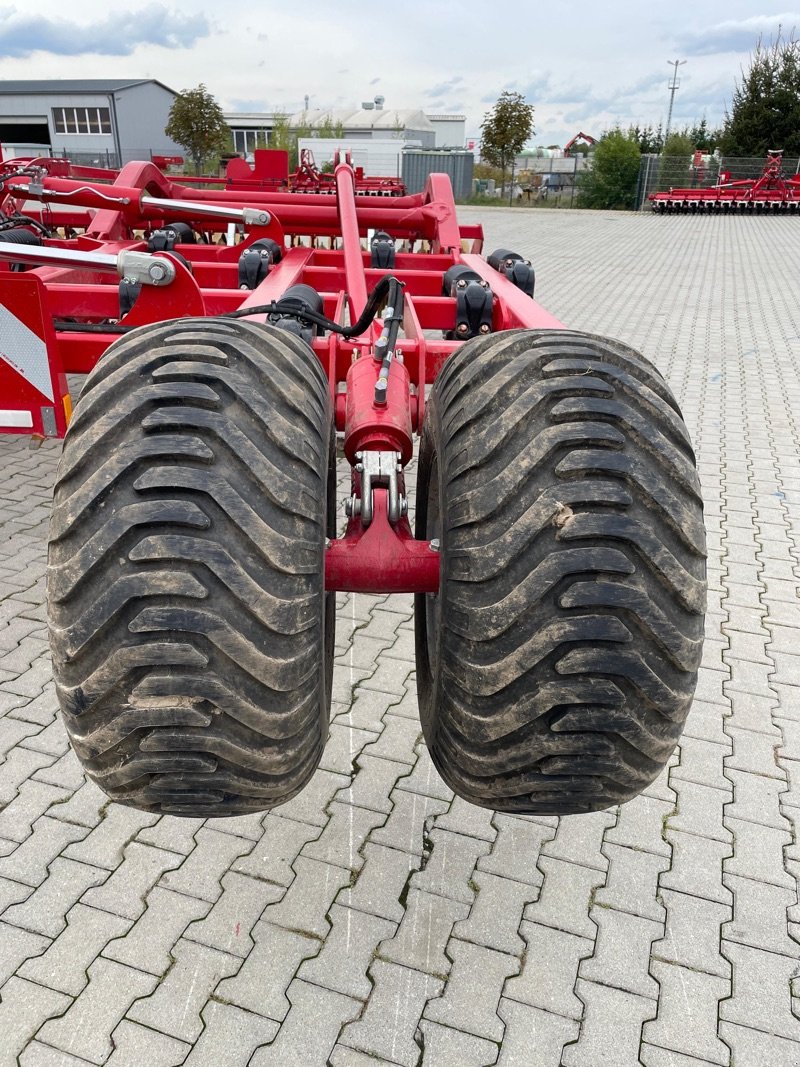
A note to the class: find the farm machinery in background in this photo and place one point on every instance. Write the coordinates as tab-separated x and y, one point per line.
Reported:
230	337
270	171
772	192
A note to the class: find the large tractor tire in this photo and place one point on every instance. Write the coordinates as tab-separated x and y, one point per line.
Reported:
192	639
557	663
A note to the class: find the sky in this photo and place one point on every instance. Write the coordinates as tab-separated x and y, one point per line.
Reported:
583	65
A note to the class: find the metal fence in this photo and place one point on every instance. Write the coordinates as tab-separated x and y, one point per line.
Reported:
107	159
661	173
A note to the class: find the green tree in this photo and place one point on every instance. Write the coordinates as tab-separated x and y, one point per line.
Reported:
329	128
679	144
765	111
676	160
196	123
505	129
612	179
285	136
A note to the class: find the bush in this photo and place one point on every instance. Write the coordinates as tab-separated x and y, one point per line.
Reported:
613	178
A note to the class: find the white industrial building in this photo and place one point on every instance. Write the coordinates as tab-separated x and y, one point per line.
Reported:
372	121
105	120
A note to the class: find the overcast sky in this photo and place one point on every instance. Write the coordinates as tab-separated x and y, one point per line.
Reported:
584	65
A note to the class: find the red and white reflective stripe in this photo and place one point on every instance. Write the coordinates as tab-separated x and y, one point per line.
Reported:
25	352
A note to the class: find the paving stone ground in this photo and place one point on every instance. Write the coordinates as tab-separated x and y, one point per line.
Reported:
376	920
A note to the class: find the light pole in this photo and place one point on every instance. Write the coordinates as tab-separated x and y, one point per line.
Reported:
672	89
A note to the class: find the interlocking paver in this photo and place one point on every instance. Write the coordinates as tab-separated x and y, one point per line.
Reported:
691	937
172	834
344	745
759	853
687	1013
467	819
65	964
425	779
756	799
400	994
33	799
297	1043
424	932
280	845
230	1036
30	862
600	1043
622	952
450	865
564	900
347	952
200	875
697	866
18	766
342	839
445	1047
103	846
579	839
762	991
381	882
85	1029
532	1035
18	946
174	1008
309	805
752	1046
305	904
261	982
473	990
700	811
227	926
148	944
44	911
641	825
550	970
38	1055
136	1045
515	852
125	891
404	829
631	882
496	912
24	1006
759	916
373	784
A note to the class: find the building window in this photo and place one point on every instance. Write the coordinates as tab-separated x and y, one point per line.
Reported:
81	120
246	141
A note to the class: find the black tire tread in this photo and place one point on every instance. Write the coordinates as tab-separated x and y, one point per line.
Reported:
187	613
573	572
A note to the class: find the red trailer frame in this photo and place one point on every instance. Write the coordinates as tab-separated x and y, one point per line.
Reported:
61	316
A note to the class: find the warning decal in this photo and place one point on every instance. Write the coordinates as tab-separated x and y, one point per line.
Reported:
25	352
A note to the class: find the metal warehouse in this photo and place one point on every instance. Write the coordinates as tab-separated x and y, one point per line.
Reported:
110	121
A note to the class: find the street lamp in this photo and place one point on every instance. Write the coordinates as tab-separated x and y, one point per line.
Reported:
672	88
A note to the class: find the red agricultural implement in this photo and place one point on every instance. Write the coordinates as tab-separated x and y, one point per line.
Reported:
557	561
309	179
772	191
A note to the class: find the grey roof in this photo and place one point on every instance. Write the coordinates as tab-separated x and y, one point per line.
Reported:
373	119
77	85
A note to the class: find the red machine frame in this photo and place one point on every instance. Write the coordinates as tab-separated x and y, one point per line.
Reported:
321	237
771	191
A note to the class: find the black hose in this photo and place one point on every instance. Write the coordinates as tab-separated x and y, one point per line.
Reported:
388	287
